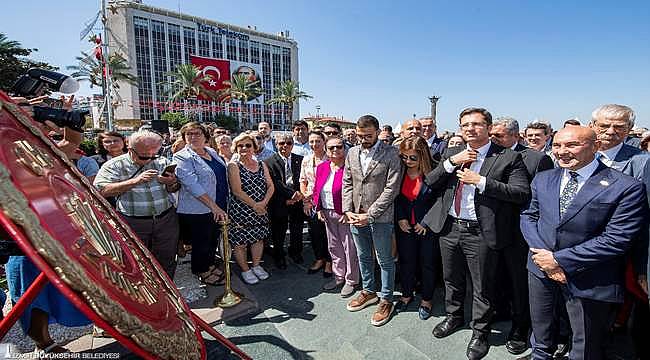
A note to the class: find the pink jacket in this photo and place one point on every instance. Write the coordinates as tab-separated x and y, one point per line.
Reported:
322	173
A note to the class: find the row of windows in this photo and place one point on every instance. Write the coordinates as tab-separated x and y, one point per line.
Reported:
161	46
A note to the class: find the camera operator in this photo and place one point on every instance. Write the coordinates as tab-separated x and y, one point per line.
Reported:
50	305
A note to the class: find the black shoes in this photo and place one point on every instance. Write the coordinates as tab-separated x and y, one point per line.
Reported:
562	350
517	341
448	326
478	347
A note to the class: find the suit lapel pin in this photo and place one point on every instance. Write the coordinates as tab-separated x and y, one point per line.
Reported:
604	183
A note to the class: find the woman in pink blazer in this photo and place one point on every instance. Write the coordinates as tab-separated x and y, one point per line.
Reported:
327	197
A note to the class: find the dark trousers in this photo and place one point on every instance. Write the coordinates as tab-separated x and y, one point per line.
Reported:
513	258
318	238
590	320
461	248
279	224
418	254
202	232
160	236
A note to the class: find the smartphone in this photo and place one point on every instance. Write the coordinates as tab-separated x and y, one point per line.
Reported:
169	169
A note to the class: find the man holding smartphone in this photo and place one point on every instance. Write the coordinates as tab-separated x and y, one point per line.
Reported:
141	182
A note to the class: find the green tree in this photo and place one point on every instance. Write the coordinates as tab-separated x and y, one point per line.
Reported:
187	83
176	120
288	93
92	70
13	62
227	121
242	89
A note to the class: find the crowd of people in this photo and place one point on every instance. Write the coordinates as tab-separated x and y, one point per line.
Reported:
549	229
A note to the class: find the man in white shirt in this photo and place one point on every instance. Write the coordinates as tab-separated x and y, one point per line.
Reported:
477	185
301	138
264	129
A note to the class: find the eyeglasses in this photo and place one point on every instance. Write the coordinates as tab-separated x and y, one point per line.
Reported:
472	124
366	136
330	133
193	133
144	157
219	132
411	128
410	157
618	128
110	142
245	145
335	147
282	143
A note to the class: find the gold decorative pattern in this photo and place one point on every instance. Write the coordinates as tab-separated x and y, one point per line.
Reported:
180	344
33	158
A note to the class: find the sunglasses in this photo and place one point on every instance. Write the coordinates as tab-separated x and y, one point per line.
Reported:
335	147
330	133
282	143
410	157
246	145
144	157
220	132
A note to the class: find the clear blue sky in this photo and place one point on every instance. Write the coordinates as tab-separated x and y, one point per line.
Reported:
528	59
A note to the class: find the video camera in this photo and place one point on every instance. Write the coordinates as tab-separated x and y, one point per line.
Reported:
36	82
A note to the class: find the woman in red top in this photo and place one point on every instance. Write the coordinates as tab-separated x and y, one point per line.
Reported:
413	239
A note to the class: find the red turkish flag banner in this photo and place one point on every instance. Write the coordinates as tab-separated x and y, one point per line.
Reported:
218	69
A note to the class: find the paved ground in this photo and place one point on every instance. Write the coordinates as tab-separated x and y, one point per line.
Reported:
297	320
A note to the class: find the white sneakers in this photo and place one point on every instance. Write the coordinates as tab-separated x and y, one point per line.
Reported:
260	272
249	277
254	275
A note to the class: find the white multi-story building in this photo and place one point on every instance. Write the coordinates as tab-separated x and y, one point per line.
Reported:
156	40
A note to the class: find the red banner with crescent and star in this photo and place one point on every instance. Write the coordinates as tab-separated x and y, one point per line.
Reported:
218	69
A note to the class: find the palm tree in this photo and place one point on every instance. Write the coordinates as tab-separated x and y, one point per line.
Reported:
288	93
187	83
92	70
11	47
240	88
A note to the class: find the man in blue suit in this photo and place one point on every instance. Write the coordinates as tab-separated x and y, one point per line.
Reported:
582	219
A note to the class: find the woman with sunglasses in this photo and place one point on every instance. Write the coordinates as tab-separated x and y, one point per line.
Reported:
413	239
328	200
251	188
317	234
202	200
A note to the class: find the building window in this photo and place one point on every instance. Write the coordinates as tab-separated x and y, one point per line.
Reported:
189	39
159	60
255	52
204	43
243	50
276	74
175	52
217	46
286	64
142	56
231	48
267	85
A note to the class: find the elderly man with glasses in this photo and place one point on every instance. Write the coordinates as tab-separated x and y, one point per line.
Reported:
141	181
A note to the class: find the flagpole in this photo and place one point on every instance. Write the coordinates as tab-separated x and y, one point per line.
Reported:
107	70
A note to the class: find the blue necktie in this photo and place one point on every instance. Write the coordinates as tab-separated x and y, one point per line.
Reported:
569	192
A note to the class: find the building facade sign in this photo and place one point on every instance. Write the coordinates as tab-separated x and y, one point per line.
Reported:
221	31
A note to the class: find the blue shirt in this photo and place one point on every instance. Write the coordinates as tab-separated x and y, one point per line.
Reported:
221	197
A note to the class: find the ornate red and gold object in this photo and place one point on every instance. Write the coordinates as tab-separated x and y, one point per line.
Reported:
84	249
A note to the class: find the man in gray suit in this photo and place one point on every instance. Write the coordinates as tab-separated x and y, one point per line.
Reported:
371	182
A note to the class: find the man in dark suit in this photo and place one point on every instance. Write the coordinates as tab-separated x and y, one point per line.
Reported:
478	184
580	222
436	144
285	206
612	124
513	257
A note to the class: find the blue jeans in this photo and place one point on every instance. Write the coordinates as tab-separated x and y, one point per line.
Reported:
379	235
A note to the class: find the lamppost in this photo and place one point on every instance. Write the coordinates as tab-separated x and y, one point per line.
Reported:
317	112
434	101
